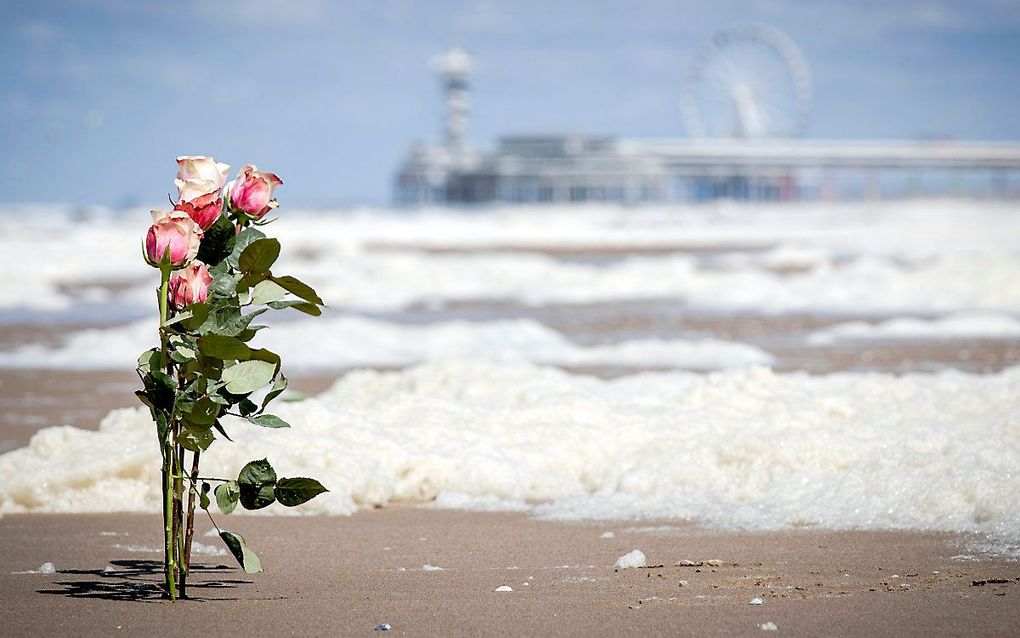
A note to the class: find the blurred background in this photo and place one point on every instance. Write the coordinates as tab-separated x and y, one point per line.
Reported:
330	95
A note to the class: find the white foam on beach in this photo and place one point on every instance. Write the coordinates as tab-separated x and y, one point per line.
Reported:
957	326
631	560
742	449
346	342
846	258
45	568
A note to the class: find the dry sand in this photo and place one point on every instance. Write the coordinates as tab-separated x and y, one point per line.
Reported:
342	576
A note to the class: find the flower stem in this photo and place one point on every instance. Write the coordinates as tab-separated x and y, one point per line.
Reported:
169	562
190	528
178	519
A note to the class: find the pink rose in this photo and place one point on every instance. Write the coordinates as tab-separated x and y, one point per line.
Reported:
205	210
198	175
173	236
190	285
251	192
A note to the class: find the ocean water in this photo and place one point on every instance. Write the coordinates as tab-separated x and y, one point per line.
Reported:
494	400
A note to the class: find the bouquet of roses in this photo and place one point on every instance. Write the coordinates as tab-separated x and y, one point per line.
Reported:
216	277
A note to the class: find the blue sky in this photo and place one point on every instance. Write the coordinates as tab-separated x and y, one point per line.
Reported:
99	97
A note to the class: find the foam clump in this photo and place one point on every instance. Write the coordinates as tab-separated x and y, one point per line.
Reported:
631	560
749	449
202	549
347	342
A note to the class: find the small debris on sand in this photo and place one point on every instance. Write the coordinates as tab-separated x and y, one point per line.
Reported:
973	583
768	626
757	601
431	568
504	588
631	560
688	563
608	535
383	626
45	568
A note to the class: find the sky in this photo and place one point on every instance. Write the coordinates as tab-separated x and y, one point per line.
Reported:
99	97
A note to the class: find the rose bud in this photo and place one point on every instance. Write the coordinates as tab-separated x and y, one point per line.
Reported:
251	192
173	237
198	175
190	285
205	210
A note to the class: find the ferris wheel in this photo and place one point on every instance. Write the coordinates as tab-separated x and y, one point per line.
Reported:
748	82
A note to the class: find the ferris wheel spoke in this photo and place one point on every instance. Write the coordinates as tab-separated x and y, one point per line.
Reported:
749	82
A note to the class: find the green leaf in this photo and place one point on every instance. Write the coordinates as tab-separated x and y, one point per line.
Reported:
297	304
227	495
219	428
269	421
177	319
150	360
267	291
262	354
223	285
295	491
299	288
244	238
278	387
160	390
249	280
259	256
257	473
199	314
182	354
248	559
248	376
249	333
203	496
217	242
257	497
246	406
256	481
221	268
195	439
202	413
229	321
162	425
223	347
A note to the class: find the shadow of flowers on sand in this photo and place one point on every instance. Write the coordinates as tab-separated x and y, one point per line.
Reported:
141	581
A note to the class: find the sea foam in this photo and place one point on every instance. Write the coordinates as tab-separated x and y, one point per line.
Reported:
851	258
346	342
741	449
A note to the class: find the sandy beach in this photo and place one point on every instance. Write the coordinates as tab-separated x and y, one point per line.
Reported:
850	406
327	576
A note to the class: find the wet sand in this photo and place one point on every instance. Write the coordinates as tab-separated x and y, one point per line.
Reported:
341	576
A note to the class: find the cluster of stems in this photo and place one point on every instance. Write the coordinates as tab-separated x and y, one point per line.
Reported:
179	530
